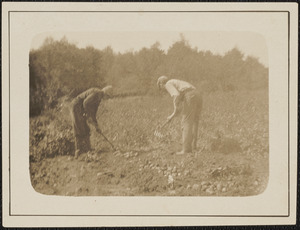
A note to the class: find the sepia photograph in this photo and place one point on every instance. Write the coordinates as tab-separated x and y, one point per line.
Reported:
186	115
171	114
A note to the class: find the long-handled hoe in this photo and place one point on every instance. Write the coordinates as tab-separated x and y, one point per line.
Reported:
161	136
157	132
112	146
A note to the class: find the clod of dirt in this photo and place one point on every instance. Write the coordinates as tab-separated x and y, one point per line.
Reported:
196	187
210	190
171	181
225	145
219	187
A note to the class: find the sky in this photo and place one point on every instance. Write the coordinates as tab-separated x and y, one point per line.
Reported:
249	43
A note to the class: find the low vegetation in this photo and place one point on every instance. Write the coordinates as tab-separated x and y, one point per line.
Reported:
231	160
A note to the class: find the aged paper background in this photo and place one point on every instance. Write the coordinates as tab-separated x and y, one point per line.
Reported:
22	206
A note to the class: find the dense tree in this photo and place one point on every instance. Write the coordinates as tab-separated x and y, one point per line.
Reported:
60	68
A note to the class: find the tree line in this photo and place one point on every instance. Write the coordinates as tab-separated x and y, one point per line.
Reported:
60	68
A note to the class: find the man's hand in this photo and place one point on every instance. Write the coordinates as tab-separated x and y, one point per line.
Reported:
169	118
98	130
95	124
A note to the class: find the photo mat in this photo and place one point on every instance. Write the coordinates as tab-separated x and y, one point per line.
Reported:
169	205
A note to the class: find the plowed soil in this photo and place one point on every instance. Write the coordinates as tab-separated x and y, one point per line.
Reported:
232	158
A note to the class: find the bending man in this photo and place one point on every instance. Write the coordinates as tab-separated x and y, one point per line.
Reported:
185	93
83	108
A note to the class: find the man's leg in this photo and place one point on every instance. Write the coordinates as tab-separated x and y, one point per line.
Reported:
86	144
187	134
82	145
75	120
198	108
80	129
77	147
188	118
195	133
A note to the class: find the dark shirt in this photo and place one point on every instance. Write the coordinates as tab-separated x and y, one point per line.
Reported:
91	99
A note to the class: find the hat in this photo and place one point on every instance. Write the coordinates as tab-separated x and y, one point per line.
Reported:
107	90
161	80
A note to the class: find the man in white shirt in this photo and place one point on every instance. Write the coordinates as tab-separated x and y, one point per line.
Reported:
83	108
185	93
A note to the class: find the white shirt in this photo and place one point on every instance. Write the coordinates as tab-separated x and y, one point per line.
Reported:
175	87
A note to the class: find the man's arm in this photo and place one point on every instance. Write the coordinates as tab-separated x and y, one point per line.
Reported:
90	105
176	102
175	94
95	124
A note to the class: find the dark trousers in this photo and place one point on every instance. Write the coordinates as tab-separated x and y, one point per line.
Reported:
80	127
192	105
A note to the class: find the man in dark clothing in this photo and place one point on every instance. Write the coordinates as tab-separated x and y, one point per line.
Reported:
85	107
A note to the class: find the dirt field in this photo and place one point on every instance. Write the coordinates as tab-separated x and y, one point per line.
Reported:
232	157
